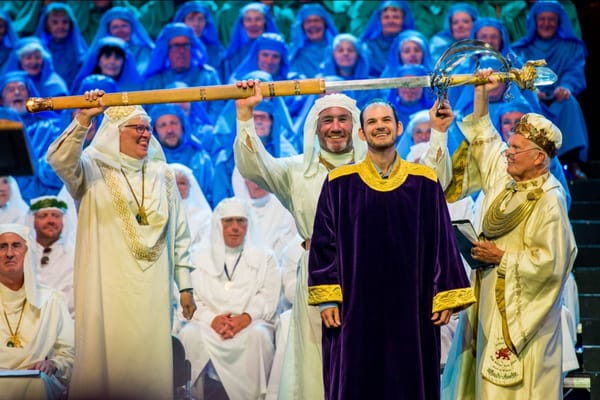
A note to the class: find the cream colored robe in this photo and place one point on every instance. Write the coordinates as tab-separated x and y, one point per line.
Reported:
539	255
46	332
243	362
302	374
58	272
123	311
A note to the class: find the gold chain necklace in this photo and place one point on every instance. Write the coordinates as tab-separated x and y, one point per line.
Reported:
497	223
141	216
14	340
329	165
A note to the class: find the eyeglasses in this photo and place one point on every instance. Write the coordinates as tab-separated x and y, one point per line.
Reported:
46	259
513	154
180	46
140	129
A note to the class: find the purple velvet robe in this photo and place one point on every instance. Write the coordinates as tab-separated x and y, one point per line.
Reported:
390	246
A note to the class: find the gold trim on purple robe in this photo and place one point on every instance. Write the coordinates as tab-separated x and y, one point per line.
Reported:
324	294
368	173
456	299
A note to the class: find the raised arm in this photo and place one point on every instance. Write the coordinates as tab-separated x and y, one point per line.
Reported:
64	154
480	98
245	107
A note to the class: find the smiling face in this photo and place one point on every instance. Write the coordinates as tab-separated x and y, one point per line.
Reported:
461	24
314	28
334	129
254	23
546	24
32	63
133	143
379	127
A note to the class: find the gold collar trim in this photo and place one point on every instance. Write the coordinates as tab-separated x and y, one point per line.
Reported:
497	223
128	222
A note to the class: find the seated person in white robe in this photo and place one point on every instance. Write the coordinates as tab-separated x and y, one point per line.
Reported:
236	287
36	332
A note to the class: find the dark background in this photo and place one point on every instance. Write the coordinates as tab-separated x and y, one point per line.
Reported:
589	18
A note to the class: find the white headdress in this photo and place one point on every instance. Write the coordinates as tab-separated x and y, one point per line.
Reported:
228	207
105	145
30	282
16	208
311	144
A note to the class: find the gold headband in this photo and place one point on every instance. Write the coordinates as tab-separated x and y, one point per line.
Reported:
537	136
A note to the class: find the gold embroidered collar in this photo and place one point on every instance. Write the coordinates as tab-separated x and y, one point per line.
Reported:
496	222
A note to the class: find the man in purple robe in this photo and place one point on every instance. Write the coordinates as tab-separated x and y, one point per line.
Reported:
384	268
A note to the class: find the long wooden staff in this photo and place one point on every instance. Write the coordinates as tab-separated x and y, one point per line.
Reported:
532	74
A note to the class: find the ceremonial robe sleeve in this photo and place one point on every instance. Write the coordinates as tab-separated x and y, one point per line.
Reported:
63	352
437	157
182	243
323	264
534	274
486	148
64	155
255	163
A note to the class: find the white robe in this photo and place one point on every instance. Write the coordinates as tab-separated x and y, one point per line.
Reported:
273	222
539	255
243	362
302	375
15	210
123	312
46	332
58	272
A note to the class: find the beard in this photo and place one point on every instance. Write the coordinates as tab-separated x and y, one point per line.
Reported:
379	145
